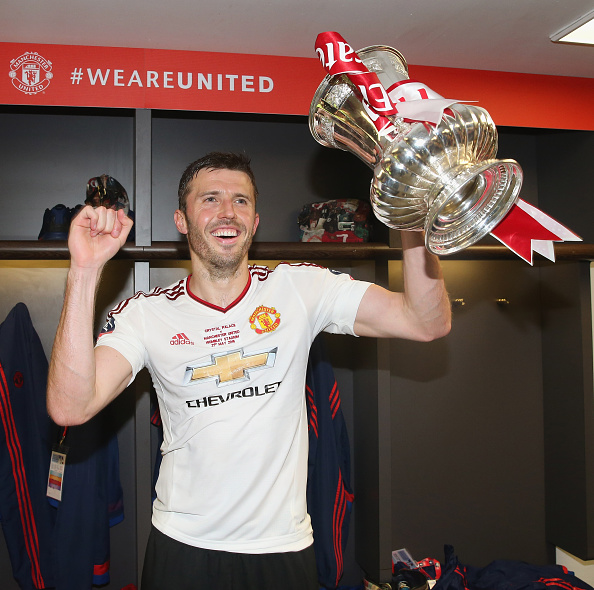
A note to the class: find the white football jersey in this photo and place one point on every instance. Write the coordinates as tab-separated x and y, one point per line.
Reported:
230	384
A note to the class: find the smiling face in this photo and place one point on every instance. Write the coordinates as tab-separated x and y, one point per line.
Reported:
220	219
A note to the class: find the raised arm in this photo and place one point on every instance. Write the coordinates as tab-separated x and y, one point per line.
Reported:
81	381
422	312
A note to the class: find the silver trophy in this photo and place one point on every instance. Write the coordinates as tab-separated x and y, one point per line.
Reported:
443	179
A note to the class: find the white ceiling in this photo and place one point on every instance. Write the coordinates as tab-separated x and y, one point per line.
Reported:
505	35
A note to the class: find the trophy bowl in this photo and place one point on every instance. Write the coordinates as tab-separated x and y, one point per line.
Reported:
442	179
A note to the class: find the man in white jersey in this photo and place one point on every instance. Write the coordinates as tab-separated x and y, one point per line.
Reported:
227	350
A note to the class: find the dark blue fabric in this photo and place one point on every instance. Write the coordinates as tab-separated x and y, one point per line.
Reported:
91	503
62	545
505	575
329	492
27	518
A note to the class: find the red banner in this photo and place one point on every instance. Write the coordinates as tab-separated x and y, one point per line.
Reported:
60	75
71	75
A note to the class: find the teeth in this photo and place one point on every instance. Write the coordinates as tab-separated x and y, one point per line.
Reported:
225	233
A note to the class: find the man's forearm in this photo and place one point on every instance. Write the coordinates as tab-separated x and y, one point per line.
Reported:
425	293
71	378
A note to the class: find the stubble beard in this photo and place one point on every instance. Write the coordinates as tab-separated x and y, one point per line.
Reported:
218	265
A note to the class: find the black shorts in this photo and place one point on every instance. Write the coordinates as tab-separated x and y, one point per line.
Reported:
171	565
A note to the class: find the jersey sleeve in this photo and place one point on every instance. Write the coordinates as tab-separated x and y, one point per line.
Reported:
123	331
332	298
342	303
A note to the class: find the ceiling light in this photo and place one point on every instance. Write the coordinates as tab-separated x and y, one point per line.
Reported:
581	31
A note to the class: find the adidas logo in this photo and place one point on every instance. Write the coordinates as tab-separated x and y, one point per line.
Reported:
180	339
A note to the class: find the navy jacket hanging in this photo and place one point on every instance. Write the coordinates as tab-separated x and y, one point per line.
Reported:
25	514
329	493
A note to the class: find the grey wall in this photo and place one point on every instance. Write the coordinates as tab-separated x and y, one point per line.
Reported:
467	423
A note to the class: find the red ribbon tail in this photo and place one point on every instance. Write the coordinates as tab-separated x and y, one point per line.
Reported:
526	229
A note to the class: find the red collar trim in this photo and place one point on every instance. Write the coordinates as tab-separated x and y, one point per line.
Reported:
216	307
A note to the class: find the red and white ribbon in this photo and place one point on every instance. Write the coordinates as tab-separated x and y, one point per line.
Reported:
411	100
338	57
417	102
526	229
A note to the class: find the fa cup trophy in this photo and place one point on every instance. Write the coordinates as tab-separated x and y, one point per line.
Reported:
434	160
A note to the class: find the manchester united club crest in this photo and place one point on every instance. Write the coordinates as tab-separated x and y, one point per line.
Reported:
264	319
30	73
18	379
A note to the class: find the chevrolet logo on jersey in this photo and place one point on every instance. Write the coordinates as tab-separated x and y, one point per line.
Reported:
228	367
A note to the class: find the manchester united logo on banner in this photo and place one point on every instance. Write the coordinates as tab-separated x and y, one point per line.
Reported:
30	73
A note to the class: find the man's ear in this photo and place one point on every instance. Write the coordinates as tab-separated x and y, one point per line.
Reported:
180	221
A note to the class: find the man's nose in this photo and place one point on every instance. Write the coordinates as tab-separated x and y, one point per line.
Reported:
227	210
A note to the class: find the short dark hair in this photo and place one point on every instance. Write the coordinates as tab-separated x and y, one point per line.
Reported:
214	161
